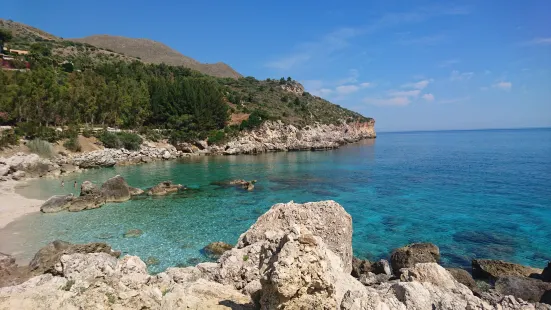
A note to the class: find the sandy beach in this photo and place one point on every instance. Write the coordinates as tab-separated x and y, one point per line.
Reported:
13	205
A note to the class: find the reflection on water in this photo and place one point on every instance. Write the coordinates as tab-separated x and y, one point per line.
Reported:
401	188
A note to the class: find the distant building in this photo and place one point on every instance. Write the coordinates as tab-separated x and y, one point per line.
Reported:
7	63
19	52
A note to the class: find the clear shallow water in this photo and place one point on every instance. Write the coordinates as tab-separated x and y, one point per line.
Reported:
473	193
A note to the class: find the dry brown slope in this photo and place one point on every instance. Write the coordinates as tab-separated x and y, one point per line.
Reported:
156	52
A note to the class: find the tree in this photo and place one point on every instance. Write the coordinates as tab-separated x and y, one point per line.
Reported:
289	79
5	36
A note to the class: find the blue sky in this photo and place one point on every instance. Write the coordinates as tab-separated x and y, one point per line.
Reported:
412	65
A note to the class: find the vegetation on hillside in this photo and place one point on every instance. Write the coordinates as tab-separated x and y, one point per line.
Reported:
156	99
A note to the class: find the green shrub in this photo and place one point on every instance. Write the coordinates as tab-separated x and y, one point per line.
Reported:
153	135
110	140
7	138
41	147
72	144
34	131
216	136
130	141
87	133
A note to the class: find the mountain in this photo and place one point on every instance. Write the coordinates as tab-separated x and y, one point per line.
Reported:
155	52
102	46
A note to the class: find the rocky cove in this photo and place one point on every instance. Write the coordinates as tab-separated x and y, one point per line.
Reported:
272	136
296	256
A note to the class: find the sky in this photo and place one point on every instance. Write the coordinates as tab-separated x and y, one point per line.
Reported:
411	65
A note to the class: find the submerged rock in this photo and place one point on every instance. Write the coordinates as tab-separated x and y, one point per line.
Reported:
493	269
152	260
216	249
246	185
164	188
133	233
408	256
57	203
115	189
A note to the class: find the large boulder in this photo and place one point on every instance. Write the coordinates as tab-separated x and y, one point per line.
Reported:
164	188
527	289
57	203
115	189
89	188
408	256
299	276
360	267
325	219
45	260
10	273
493	269
464	277
87	202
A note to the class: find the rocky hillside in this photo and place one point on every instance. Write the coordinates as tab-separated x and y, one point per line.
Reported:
296	256
117	47
156	52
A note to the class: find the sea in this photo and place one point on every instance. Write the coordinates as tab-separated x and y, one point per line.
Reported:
475	194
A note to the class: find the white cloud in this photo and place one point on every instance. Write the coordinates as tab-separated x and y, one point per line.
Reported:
539	41
347	89
461	76
428	97
409	93
393	101
417	85
322	92
503	85
366	85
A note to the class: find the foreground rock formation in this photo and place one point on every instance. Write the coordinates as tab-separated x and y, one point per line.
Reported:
296	256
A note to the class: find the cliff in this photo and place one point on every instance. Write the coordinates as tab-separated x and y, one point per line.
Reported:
296	256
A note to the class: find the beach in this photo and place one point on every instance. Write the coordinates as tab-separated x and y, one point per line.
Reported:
13	205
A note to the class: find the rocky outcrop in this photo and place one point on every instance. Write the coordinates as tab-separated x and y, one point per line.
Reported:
293	87
464	277
57	203
412	254
276	136
87	202
326	219
111	157
47	258
546	274
360	267
527	289
88	188
493	269
216	249
164	188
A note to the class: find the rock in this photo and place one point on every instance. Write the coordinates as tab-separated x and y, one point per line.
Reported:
164	188
216	249
4	170
246	185
166	155
493	269
57	203
203	294
527	289
325	219
47	257
133	233
381	267
68	168
299	277
134	191
546	274
412	254
115	189
360	267
370	278
464	277
18	175
87	202
89	188
10	273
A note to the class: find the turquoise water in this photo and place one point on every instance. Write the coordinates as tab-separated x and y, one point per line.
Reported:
473	193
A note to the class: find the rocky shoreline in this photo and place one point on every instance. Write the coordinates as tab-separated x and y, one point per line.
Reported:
296	256
271	136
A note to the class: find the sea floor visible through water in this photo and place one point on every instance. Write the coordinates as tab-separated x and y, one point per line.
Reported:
475	194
